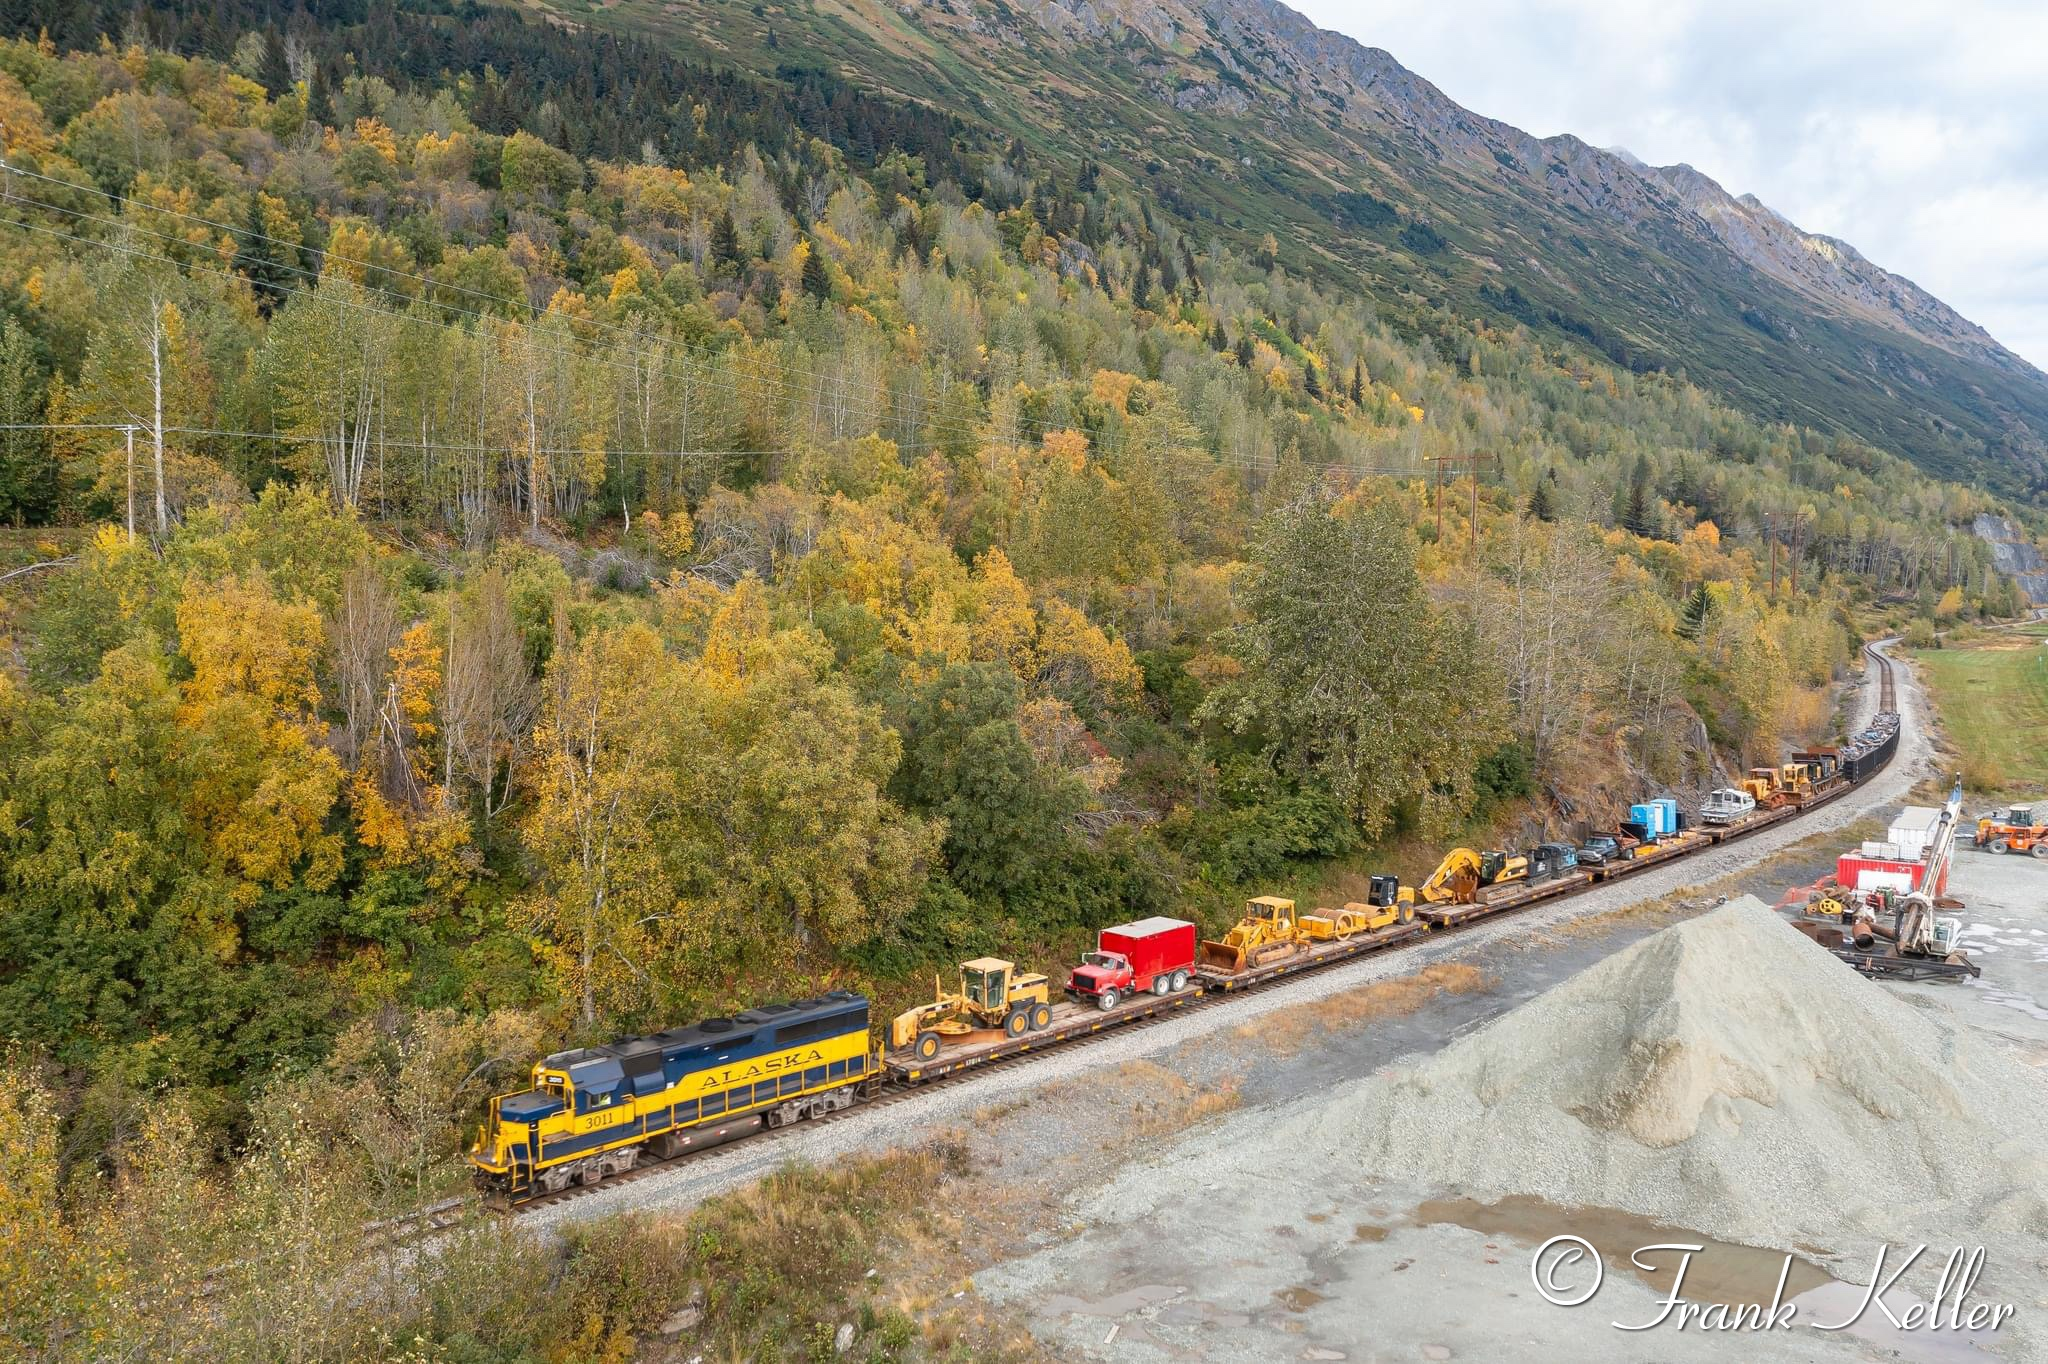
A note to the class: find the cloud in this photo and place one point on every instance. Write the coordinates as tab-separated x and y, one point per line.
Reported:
1914	132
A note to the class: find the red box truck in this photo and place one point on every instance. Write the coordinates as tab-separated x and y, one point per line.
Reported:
1153	954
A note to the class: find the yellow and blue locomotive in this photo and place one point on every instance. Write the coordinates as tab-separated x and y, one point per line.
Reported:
594	1111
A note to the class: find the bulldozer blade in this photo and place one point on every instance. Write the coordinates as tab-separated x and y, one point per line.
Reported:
1221	956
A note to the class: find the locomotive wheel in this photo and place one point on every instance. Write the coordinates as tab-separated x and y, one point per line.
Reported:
589	1175
926	1046
1016	1022
1041	1017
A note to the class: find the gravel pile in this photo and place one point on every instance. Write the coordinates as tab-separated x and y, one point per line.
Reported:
1723	1076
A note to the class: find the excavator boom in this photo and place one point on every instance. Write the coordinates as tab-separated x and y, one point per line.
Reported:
1455	880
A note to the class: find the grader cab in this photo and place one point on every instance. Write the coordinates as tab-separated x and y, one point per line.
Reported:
1267	932
992	994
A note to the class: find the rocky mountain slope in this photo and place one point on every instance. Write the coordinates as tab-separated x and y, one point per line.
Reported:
1243	117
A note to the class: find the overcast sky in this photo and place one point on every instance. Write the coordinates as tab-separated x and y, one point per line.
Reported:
1917	132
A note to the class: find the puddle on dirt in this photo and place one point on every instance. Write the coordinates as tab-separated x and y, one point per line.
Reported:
1721	1272
1366	1231
1120	1304
1195	1312
1299	1298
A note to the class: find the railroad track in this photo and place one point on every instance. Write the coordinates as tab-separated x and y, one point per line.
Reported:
1887	696
441	1215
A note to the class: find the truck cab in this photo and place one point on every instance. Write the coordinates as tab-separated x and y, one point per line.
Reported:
1100	974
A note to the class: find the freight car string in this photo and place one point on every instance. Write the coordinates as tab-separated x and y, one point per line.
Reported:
899	1084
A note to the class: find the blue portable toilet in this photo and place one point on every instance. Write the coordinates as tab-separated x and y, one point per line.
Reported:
1645	815
1667	815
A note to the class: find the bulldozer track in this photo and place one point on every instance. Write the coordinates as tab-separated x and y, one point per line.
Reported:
891	1092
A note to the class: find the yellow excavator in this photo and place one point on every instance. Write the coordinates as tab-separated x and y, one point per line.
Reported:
1463	873
1267	932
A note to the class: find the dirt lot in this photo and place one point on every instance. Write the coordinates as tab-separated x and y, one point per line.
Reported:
1326	1261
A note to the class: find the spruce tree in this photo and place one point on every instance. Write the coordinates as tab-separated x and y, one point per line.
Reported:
275	73
725	239
1541	507
1358	382
1692	617
816	282
1309	383
263	262
1244	350
1217	340
319	100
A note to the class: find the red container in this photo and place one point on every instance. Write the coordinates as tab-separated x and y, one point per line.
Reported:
1150	955
1858	872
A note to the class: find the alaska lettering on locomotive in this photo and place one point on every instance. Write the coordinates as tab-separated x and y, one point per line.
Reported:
754	1070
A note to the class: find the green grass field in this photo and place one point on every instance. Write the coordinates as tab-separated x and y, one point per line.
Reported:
1992	694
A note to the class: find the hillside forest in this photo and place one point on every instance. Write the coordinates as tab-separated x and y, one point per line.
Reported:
463	596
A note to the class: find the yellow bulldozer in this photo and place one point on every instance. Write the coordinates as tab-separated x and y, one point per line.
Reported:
1463	873
1776	787
992	994
1267	932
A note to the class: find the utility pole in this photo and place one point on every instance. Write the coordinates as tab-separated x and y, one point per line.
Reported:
129	431
1439	500
1474	462
1475	503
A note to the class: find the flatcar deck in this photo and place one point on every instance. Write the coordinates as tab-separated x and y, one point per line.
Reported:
1070	1019
1215	981
1498	898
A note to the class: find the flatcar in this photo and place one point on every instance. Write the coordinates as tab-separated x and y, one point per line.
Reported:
596	1111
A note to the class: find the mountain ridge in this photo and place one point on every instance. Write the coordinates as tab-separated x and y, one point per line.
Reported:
1243	117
